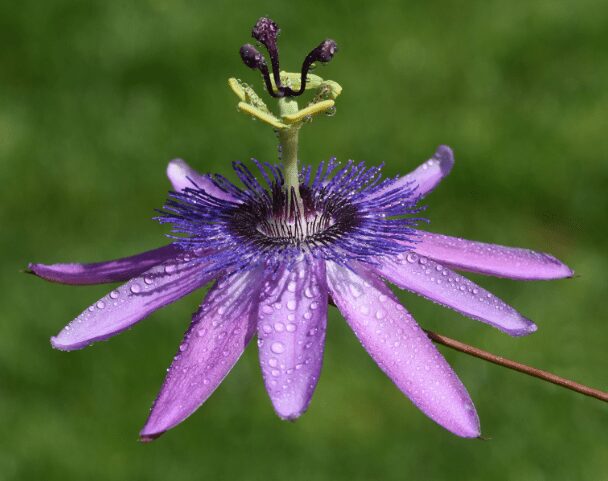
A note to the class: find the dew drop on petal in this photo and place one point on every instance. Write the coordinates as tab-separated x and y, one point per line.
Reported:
277	347
411	257
135	288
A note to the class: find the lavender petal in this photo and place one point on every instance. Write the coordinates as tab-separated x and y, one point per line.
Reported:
401	349
291	335
491	259
132	302
181	175
217	337
429	279
102	272
428	175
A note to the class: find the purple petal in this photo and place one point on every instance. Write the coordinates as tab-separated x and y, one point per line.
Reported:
181	175
428	175
217	337
426	277
102	272
401	349
131	302
291	333
492	259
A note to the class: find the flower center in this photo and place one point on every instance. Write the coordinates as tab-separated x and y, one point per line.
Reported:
278	223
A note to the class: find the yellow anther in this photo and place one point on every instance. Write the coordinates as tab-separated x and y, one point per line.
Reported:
313	109
260	115
237	88
334	87
293	79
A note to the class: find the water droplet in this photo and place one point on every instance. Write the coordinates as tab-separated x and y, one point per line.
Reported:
291	327
114	294
314	305
135	288
272	362
308	293
205	381
183	346
380	314
291	286
364	309
411	257
267	328
100	304
170	269
148	280
279	326
307	315
277	347
291	305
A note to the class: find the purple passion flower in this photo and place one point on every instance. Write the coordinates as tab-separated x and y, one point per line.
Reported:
281	247
273	274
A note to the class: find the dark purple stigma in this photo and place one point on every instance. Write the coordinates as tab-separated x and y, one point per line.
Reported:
266	32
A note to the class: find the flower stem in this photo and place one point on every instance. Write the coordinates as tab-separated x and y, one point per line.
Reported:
516	366
288	139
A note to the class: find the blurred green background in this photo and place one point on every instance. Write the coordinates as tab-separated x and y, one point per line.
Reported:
97	96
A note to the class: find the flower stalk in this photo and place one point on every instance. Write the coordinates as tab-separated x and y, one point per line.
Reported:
288	145
516	366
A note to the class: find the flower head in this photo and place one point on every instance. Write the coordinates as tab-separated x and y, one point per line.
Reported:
283	245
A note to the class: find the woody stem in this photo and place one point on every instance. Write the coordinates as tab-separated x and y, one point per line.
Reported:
516	366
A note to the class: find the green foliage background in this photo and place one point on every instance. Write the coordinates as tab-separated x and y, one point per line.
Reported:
95	98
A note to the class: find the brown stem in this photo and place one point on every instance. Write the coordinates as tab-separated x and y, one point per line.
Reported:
516	366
